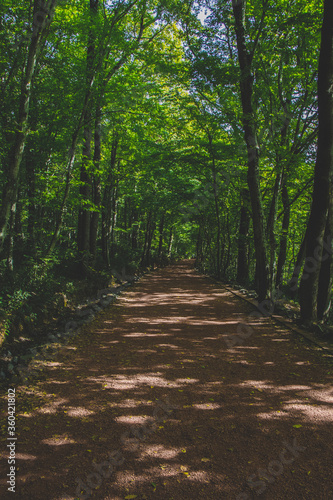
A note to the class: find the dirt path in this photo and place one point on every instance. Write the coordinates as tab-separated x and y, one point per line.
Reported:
155	403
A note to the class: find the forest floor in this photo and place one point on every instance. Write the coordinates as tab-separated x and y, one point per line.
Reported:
156	400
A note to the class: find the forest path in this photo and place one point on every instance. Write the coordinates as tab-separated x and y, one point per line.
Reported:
156	388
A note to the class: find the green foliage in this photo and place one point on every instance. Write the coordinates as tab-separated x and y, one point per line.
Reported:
172	166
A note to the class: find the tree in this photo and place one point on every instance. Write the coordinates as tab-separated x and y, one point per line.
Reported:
245	58
42	16
316	284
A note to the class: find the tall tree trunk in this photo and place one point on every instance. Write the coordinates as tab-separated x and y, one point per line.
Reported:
97	190
41	20
160	229
271	228
83	235
134	238
243	243
170	242
323	177
108	203
284	236
325	275
31	187
228	252
293	283
217	210
150	240
10	241
278	186
143	262
83	238
199	247
245	59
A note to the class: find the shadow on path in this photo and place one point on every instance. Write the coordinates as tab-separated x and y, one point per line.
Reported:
150	403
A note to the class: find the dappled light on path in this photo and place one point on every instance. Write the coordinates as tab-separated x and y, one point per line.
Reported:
227	410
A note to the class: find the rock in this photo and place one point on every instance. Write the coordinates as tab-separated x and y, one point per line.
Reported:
51	338
103	303
96	308
107	301
102	292
71	325
84	312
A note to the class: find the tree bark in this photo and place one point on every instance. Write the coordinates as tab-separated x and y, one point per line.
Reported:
243	243
170	242
145	250
84	218
250	135
108	203
83	235
322	188
325	275
97	190
160	229
42	16
284	236
271	227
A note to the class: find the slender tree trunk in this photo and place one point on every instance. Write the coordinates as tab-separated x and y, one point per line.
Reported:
284	236
97	190
271	228
199	246
170	242
83	237
278	186
293	283
134	238
226	246
41	20
84	218
143	262
243	240
217	210
160	229
250	135
30	162
322	188
108	203
150	240
10	241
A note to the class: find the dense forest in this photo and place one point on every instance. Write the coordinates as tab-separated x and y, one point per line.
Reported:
134	132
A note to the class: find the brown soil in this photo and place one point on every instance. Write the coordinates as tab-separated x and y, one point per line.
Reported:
208	417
